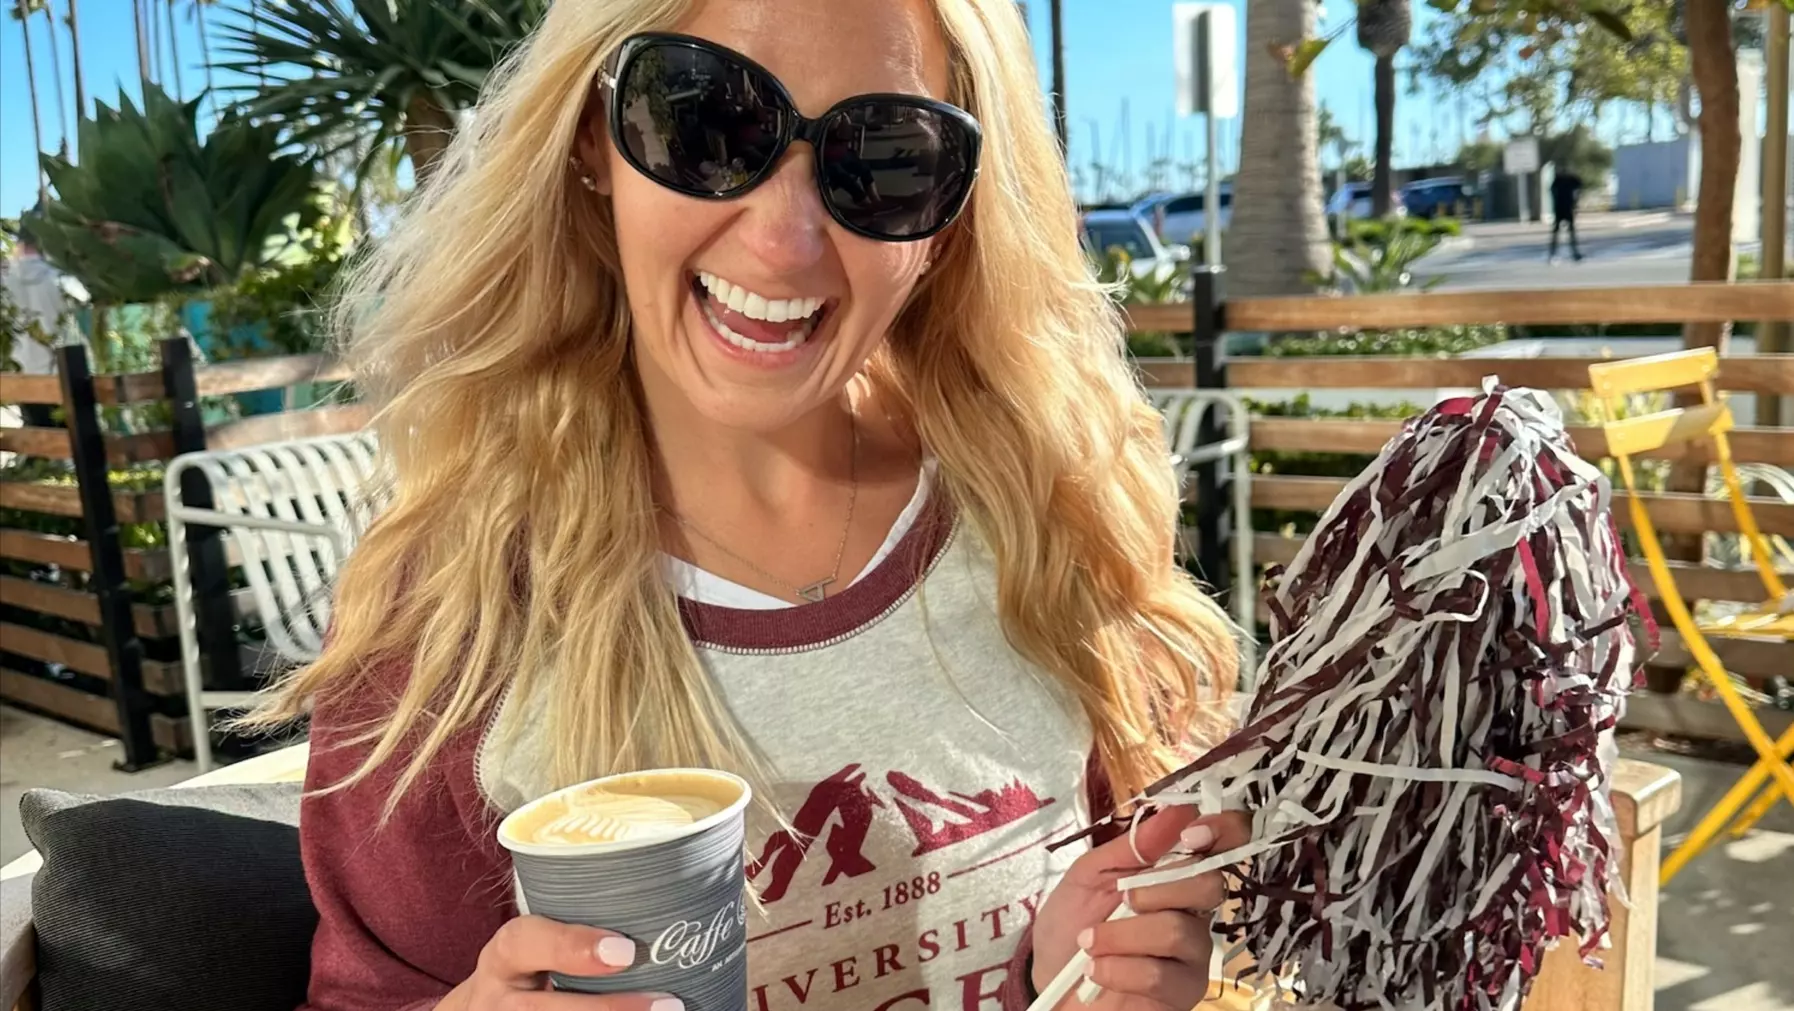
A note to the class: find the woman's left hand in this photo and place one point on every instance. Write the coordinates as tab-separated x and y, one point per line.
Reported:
1159	958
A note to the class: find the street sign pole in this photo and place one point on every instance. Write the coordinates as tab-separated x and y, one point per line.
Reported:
1520	159
1204	42
1211	198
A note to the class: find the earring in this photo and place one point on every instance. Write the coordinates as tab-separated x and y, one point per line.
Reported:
586	178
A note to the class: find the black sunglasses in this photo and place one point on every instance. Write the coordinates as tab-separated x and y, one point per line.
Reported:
708	122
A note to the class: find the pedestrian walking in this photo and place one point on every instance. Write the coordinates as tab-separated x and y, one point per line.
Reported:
1566	190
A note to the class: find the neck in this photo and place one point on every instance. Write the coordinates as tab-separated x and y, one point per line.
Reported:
698	459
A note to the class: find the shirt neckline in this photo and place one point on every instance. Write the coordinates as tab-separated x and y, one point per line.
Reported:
809	626
703	586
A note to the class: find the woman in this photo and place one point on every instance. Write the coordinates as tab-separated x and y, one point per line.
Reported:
705	455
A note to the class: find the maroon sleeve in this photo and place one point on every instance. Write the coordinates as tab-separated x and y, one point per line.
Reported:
1018	985
404	907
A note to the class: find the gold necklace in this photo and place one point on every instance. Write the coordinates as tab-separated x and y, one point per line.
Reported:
810	592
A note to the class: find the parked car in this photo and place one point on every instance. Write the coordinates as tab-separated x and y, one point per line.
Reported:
1181	217
1430	198
1149	255
1353	200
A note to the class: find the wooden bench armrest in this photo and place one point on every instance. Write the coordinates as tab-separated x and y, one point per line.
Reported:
1644	795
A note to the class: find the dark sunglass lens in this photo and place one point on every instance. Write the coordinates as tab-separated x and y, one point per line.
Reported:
895	170
696	120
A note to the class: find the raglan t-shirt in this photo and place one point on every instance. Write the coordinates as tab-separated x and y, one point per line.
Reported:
921	763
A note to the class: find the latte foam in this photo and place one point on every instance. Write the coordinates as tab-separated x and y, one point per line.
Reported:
625	809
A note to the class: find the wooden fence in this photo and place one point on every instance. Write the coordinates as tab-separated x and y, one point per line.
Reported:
1674	513
87	629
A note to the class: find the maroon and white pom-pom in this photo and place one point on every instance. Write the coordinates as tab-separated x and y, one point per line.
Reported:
1426	757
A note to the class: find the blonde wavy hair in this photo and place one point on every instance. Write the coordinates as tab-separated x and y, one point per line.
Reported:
491	328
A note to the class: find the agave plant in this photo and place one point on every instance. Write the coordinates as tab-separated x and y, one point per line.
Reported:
1362	268
151	209
361	73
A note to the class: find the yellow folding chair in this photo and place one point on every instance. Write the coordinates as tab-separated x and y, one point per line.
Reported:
1628	437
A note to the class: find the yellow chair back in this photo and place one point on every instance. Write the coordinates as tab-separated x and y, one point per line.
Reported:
1628	437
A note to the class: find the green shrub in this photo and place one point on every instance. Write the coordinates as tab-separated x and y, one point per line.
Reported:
1312	463
1114	270
1379	232
1432	342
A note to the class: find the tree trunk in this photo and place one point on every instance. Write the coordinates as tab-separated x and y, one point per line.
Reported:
1057	10
1277	239
143	60
1382	193
174	51
62	105
205	48
1715	69
153	25
428	130
37	124
80	87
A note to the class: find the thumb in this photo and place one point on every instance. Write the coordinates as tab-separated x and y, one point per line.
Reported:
1156	836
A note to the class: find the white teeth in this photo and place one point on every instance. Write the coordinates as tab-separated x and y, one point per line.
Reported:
756	306
798	336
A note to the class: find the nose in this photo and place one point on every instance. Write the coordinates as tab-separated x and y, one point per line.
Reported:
784	223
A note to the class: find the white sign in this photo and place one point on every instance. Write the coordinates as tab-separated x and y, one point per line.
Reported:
1521	156
1222	33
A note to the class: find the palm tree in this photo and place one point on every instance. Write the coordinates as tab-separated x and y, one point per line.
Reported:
1058	19
205	45
360	75
1330	134
174	50
62	105
154	34
75	48
143	59
255	24
1277	240
21	12
1384	27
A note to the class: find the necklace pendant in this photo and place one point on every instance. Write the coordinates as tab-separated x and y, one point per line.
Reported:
815	592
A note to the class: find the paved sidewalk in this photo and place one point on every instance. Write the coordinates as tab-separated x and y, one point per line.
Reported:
1726	923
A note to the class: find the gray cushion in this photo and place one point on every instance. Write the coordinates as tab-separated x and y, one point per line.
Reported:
184	900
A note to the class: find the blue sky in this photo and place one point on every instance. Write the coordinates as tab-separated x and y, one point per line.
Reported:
1118	51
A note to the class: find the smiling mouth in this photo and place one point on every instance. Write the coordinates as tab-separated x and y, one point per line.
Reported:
752	322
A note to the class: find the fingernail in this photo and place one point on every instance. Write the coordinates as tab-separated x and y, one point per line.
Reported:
667	1004
1086	938
618	952
1198	837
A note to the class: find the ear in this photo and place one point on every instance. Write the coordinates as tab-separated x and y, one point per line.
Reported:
592	150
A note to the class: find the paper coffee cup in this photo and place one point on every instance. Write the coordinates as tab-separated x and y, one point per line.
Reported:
655	856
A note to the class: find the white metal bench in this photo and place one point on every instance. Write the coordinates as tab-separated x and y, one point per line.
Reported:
291	512
1184	409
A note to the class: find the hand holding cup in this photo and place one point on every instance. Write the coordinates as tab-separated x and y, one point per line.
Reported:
512	974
